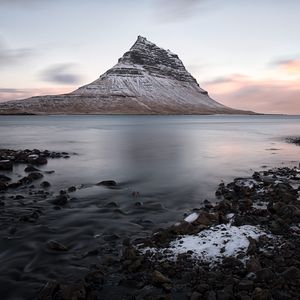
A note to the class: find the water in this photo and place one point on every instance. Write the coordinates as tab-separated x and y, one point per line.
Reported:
174	162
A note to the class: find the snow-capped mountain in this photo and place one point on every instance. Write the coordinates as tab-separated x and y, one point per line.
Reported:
146	80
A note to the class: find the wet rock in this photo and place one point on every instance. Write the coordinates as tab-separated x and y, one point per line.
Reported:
3	186
37	160
291	274
245	204
211	295
108	183
261	294
30	169
4	178
252	246
49	290
6	165
159	278
207	219
246	285
95	277
35	176
45	184
253	264
149	292
61	199
74	291
265	274
72	189
195	296
56	246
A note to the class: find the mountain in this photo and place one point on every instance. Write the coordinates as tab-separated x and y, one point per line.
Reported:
146	80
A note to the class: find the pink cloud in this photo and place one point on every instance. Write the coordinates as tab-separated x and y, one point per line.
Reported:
7	94
265	96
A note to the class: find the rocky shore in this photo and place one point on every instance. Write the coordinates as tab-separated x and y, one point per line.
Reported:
246	246
243	246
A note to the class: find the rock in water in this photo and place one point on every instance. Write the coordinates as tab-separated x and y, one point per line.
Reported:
146	80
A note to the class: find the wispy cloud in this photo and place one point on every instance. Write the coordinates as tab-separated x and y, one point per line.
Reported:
291	66
61	73
264	95
7	94
10	57
178	10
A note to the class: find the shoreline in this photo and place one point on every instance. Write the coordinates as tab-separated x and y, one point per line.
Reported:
266	267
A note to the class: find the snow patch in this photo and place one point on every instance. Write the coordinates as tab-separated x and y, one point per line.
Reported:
214	244
191	218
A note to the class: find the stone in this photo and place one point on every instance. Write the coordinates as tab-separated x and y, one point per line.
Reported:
60	200
108	183
253	264
35	176
45	184
56	246
261	294
4	178
6	165
265	275
71	189
291	273
159	278
30	169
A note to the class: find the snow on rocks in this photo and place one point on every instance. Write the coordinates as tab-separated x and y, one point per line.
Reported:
214	244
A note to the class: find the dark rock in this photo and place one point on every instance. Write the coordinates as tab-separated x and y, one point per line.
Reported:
252	246
195	296
211	295
261	294
108	183
71	189
253	264
30	169
265	275
6	165
45	184
60	200
56	246
3	186
35	176
246	285
290	274
49	290
39	160
74	291
4	178
159	278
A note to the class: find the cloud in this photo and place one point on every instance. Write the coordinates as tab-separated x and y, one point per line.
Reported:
178	10
264	95
61	73
291	66
7	94
13	56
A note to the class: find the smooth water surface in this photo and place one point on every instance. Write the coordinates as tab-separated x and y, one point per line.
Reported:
174	162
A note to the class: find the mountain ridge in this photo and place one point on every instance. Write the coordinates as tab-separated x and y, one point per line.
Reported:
146	80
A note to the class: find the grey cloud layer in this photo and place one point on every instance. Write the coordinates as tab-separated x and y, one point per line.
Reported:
12	56
61	73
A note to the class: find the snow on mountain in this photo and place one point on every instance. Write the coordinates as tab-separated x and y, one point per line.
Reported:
146	80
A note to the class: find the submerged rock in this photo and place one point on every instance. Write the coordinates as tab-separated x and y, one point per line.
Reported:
108	183
56	246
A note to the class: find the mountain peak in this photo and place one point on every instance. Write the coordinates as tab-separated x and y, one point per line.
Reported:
146	80
154	60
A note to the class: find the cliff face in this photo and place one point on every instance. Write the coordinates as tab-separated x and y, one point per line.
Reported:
146	80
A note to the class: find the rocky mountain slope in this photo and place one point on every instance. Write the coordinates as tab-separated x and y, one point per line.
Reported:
146	80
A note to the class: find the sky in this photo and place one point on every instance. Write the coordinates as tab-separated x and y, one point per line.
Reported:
246	54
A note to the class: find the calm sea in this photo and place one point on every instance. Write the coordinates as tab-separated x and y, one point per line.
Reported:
174	162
